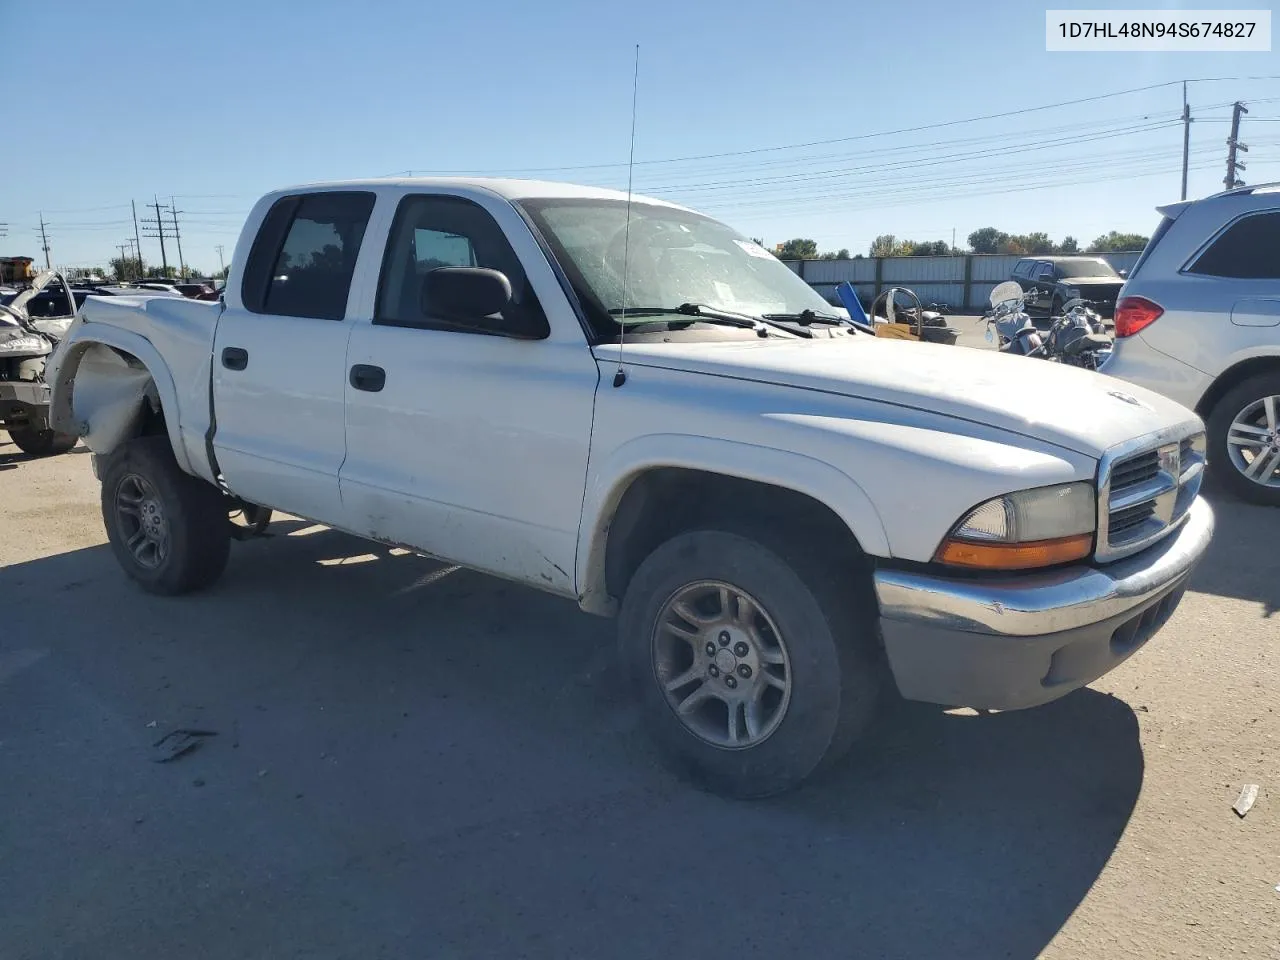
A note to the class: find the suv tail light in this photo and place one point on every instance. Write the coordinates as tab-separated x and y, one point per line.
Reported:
1134	314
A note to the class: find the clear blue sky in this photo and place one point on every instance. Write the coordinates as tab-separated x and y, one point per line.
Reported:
215	103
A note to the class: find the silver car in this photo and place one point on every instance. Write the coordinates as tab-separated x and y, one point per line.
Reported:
1198	320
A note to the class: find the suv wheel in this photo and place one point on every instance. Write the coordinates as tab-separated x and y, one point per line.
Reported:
1244	439
752	674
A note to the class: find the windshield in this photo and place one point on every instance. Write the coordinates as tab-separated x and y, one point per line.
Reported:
676	257
1086	267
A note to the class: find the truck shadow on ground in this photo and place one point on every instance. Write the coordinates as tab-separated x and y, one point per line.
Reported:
415	760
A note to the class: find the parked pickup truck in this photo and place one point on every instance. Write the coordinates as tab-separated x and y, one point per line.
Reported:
784	513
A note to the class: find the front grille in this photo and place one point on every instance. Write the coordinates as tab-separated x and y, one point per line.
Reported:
1145	493
1133	471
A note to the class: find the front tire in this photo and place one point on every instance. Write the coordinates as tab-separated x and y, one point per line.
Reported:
751	673
1244	439
168	530
41	443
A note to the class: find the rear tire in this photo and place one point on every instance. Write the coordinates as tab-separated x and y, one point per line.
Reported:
41	443
1248	411
806	662
168	530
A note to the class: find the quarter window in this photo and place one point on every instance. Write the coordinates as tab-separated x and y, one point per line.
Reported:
1249	249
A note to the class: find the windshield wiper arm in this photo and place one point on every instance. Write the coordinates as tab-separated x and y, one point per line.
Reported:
712	315
806	317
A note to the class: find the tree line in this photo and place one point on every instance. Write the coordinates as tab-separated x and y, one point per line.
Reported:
984	240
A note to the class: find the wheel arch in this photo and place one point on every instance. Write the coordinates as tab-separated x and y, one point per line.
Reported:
654	487
113	386
1232	377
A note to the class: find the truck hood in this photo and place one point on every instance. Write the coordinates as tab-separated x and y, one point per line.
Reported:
1076	409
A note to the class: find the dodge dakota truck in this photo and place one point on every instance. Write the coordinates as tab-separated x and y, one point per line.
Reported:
623	402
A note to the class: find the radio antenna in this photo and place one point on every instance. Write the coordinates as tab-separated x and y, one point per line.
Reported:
620	376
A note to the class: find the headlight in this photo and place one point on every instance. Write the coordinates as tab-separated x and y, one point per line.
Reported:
1026	529
30	344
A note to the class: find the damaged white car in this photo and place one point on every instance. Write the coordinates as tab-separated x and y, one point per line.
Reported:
26	344
626	403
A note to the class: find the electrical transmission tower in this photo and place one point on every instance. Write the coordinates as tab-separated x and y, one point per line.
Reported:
157	228
1233	145
44	241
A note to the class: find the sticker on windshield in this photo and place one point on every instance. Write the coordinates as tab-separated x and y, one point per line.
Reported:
754	249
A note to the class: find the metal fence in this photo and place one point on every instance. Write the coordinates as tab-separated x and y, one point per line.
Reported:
963	282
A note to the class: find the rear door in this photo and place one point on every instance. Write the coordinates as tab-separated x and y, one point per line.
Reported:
279	360
1226	301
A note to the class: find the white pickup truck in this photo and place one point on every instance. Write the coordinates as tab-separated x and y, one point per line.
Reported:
784	512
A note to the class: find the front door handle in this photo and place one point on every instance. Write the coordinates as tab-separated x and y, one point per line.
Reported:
368	378
234	358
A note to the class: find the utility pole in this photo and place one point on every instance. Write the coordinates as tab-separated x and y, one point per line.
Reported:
174	211
221	265
1234	144
1186	137
137	237
158	225
44	242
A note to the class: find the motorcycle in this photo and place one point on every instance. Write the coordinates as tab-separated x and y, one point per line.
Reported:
1079	336
25	346
1008	321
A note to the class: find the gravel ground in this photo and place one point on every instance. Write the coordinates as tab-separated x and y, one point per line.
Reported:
414	761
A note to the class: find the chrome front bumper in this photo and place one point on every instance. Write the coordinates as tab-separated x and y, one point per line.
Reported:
1019	641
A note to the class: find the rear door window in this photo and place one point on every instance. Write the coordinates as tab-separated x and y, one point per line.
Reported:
1248	249
305	254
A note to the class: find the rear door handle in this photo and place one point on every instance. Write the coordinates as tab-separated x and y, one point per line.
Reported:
234	358
368	378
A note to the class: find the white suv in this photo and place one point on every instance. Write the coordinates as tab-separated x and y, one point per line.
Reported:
1199	321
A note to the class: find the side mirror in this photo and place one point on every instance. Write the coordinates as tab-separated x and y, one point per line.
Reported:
468	296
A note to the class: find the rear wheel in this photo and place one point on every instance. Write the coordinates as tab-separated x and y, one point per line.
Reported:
752	673
168	530
41	443
1244	438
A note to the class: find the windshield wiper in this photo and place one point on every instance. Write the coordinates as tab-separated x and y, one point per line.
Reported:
806	317
707	314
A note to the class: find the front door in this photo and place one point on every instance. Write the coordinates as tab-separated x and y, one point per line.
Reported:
279	357
468	446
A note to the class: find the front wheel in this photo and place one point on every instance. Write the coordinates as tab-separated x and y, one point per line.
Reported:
1244	439
751	674
41	443
168	530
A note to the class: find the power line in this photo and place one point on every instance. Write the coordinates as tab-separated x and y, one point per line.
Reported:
884	133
